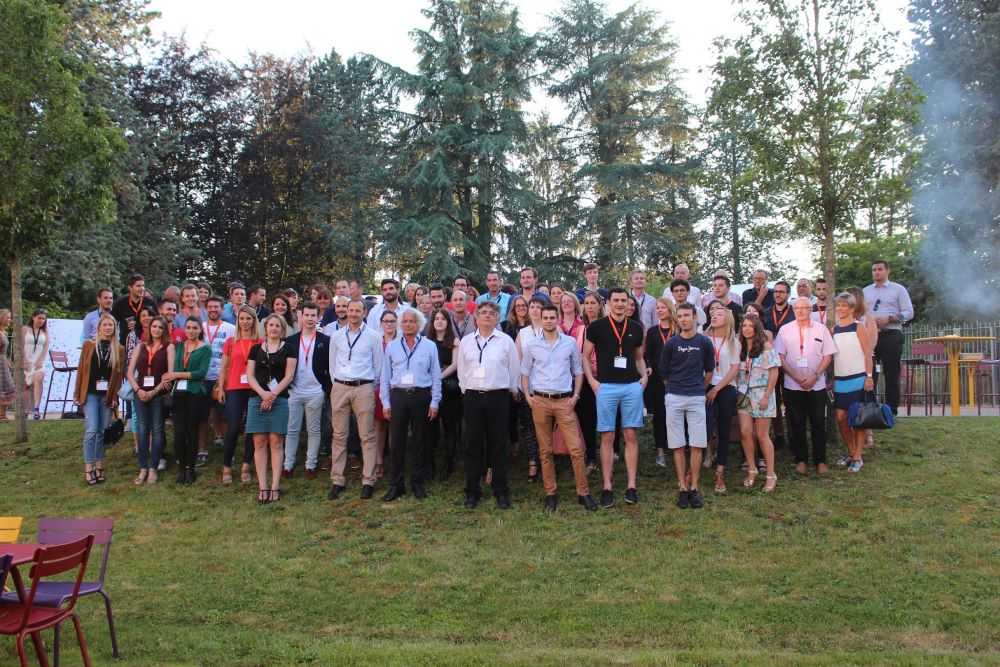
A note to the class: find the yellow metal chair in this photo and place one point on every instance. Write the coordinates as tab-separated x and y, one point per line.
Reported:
10	528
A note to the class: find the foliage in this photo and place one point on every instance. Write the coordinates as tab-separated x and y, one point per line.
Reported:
896	565
854	267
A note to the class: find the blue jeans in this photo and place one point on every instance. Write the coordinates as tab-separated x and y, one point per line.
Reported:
150	416
96	417
312	406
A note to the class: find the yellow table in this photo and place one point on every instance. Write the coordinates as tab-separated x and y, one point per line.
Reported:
953	346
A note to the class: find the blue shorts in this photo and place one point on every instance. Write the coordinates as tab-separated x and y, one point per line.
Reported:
611	397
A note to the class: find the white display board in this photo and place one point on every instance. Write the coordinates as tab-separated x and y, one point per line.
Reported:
65	337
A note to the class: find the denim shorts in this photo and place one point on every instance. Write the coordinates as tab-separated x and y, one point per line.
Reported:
611	397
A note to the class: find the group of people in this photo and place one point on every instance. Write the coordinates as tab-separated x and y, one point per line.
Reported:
446	374
34	350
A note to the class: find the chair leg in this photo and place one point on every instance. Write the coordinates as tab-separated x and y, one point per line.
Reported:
19	641
80	639
111	623
55	645
36	639
48	393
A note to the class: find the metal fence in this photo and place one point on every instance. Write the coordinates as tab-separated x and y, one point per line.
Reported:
987	348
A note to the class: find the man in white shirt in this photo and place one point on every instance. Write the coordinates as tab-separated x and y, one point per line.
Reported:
217	333
308	391
682	272
355	366
647	303
390	301
488	373
340	312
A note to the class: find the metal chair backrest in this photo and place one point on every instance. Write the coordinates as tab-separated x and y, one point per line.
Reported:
10	528
56	559
928	350
60	360
60	531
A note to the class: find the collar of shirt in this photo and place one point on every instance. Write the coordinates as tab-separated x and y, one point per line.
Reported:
354	355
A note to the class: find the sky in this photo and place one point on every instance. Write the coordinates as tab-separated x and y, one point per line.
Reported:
382	27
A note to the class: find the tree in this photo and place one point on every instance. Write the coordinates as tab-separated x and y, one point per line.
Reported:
815	75
616	75
957	206
58	151
473	77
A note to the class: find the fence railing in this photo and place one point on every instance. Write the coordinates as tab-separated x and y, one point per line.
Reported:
988	348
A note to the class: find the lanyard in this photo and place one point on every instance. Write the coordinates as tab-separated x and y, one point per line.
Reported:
802	343
413	350
718	350
211	336
621	335
35	335
136	308
312	341
670	332
103	358
482	347
187	354
822	314
350	345
267	355
572	330
774	316
150	353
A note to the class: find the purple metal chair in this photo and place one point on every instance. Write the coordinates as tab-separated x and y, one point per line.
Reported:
55	593
5	569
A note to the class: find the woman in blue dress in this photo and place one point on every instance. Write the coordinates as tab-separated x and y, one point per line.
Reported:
852	370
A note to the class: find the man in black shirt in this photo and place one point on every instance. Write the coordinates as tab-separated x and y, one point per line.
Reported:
759	292
720	289
778	316
619	383
126	309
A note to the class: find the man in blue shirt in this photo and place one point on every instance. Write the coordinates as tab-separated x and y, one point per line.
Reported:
105	299
410	389
686	366
493	293
890	304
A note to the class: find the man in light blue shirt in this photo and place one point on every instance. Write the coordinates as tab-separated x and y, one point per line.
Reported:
105	299
889	303
493	293
410	389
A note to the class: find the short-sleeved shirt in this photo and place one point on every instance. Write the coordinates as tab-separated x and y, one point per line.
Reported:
812	345
238	352
216	336
123	308
684	363
271	365
606	347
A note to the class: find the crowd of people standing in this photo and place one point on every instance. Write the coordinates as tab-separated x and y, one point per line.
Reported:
407	388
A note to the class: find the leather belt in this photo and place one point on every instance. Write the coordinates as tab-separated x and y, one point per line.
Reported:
353	383
411	390
565	394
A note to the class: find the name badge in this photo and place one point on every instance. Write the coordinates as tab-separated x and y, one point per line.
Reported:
102	385
407	380
243	379
717	378
148	381
878	368
743	388
182	385
802	362
272	385
479	373
621	362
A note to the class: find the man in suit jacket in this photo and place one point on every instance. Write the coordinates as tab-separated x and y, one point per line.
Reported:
308	392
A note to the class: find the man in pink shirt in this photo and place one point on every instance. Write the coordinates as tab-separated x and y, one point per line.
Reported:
806	349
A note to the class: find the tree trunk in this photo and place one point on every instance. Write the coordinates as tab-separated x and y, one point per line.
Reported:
17	312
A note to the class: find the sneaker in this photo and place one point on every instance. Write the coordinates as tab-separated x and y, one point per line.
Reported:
682	500
631	496
707	461
661	460
844	461
201	459
855	466
607	499
162	465
220	443
694	498
617	458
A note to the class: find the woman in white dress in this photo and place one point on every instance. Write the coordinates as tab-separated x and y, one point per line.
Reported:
36	346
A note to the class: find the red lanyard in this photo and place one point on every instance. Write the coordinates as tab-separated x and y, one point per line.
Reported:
621	335
572	329
822	314
135	309
187	354
149	358
211	336
718	350
774	316
802	343
312	341
670	332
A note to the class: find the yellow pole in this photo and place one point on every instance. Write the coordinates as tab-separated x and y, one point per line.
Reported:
954	348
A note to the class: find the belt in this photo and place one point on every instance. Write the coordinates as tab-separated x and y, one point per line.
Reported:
354	383
486	391
411	390
565	394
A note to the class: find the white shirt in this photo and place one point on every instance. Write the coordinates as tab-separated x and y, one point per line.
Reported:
724	360
305	383
216	335
647	309
375	316
333	327
488	363
356	355
694	294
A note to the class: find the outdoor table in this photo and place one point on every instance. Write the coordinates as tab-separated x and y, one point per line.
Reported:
953	346
23	554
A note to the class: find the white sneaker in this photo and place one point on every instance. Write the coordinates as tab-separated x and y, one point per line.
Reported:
661	460
162	465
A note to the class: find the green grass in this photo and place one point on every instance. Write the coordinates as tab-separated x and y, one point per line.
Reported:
900	564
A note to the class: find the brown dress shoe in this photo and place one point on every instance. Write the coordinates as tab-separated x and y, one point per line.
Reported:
327	464
310	474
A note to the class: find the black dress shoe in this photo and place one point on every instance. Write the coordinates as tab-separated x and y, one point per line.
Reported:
394	493
419	492
683	500
335	491
503	502
587	502
471	502
367	491
550	504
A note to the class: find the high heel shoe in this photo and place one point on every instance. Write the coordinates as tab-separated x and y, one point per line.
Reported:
141	477
772	481
751	479
532	472
99	475
263	496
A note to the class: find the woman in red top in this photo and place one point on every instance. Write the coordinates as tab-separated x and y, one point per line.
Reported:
146	367
234	391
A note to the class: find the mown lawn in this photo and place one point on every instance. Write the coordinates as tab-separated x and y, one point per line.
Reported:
900	565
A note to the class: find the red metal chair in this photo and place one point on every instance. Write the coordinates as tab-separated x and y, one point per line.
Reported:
25	619
987	384
930	356
60	364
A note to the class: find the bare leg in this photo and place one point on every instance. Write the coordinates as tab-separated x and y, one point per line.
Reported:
846	432
277	458
680	465
607	457
763	425
260	455
747	441
696	453
631	456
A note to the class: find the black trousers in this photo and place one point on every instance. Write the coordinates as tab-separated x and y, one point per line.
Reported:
234	414
654	396
719	415
586	412
803	405
188	410
487	416
889	352
408	414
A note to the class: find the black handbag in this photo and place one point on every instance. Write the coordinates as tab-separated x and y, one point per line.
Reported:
870	414
114	432
450	384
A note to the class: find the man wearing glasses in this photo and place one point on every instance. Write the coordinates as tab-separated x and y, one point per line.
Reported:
890	304
776	317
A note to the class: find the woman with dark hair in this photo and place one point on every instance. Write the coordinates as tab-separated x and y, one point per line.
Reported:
586	407
98	377
632	311
758	375
517	319
192	358
36	347
233	390
441	330
146	368
280	305
418	291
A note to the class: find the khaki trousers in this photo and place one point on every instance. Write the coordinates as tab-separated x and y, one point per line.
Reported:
361	400
546	413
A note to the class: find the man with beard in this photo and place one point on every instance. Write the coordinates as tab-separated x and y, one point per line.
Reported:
390	301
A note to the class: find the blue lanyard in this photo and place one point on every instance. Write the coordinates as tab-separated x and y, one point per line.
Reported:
409	355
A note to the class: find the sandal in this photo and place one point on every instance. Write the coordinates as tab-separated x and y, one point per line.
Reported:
99	474
245	476
751	479
263	496
772	481
151	479
532	472
91	477
720	481
275	495
227	476
141	477
591	467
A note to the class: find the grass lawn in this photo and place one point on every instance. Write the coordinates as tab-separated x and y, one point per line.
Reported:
899	564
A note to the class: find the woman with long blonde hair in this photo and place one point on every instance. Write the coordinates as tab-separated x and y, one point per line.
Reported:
656	338
100	373
721	398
